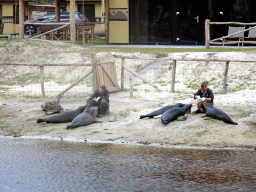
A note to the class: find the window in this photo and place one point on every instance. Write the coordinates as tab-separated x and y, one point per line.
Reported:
16	14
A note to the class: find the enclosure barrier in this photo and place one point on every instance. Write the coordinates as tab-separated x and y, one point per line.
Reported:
94	63
173	64
208	41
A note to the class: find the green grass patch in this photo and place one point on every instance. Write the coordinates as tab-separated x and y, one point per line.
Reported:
31	97
199	134
4	88
164	51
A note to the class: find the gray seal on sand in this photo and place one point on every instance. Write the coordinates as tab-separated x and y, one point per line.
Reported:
66	116
218	114
85	118
161	110
174	113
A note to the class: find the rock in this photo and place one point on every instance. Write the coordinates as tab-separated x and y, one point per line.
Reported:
112	119
182	118
252	120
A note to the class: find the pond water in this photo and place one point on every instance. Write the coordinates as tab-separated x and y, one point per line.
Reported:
44	165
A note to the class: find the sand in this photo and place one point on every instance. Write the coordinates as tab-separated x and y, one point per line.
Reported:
19	115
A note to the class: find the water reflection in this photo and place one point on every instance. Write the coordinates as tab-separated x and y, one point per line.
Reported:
41	165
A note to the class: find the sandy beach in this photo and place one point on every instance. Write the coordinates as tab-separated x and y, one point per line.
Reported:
19	115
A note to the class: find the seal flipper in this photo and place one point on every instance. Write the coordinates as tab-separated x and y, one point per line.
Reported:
230	122
40	120
204	116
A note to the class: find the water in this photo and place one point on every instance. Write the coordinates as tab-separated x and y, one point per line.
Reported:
43	165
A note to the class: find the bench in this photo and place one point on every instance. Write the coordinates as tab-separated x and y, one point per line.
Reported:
4	36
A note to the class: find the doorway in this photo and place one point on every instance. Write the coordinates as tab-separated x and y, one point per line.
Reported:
89	11
167	22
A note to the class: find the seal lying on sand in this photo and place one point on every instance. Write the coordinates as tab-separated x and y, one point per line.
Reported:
82	119
162	110
66	116
174	113
218	114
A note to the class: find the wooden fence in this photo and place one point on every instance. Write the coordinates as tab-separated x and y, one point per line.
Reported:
208	41
94	64
173	64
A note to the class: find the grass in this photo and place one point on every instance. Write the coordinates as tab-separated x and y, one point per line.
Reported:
4	89
164	51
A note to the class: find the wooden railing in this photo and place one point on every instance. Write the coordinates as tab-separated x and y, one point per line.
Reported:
208	41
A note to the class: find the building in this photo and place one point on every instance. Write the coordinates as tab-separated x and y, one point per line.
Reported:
169	22
9	15
183	21
93	10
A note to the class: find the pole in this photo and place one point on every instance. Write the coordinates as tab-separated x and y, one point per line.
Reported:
225	78
122	74
72	22
207	33
173	76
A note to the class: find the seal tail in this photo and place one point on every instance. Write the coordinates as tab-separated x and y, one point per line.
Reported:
234	123
142	116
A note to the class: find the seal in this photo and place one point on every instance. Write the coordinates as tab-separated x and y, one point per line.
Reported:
218	114
85	118
66	116
174	113
161	111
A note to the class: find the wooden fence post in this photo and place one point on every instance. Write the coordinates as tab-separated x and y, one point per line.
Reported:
207	33
93	59
225	78
122	73
131	87
173	76
42	80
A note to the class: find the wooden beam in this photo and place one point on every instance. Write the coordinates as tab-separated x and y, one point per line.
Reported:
207	33
50	31
42	80
122	74
72	85
102	14
94	75
136	74
173	76
107	21
72	21
57	11
131	86
21	19
225	78
224	37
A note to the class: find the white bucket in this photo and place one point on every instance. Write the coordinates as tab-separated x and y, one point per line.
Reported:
95	111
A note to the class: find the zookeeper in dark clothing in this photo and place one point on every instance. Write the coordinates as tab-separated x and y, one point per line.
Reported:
205	95
102	100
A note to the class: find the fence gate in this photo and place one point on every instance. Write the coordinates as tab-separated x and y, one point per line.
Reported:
106	74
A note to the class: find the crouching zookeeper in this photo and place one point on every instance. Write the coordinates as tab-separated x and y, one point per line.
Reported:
102	100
